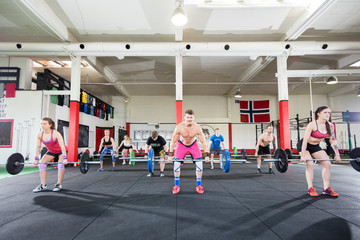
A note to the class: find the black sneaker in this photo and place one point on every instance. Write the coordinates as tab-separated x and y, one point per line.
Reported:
271	171
258	171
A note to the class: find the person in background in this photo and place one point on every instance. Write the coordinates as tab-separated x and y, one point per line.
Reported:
109	145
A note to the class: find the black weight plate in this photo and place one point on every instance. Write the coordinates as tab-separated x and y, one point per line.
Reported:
12	165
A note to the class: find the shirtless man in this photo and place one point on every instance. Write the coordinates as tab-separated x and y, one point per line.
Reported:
263	147
188	130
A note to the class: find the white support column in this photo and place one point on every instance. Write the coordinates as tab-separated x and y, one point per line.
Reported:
74	108
179	78
283	96
179	88
75	78
283	89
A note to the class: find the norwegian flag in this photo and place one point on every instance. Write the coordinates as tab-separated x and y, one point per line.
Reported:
254	111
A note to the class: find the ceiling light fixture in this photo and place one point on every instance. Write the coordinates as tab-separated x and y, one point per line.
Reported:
332	80
179	16
238	94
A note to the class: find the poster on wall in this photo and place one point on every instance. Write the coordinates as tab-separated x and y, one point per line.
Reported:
137	135
145	135
6	133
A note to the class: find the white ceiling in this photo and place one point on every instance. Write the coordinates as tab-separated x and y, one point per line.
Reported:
71	21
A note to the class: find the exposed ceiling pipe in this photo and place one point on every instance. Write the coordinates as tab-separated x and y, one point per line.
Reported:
186	49
208	83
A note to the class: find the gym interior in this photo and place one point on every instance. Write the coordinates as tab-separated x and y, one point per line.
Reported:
131	67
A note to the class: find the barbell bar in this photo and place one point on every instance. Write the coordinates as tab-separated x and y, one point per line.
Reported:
281	159
15	163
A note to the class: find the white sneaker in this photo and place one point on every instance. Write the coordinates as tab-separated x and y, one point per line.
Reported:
211	167
162	174
123	163
57	187
40	188
150	174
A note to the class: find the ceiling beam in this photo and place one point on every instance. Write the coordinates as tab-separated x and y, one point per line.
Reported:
322	73
310	15
41	10
343	90
107	74
186	49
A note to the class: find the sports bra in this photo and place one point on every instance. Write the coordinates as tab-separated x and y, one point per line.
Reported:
127	144
106	143
317	133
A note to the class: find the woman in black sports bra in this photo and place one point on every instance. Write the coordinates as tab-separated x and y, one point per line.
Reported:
309	148
109	146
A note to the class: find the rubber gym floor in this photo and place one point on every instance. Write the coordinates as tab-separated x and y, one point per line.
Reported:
125	204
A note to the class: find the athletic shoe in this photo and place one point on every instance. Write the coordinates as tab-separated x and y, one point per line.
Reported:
100	170
113	169
150	174
200	189
221	166
271	171
330	192
40	188
162	174
57	187
176	190
312	192
123	163
258	171
211	167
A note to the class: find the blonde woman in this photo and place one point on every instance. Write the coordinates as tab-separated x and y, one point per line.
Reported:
128	148
109	145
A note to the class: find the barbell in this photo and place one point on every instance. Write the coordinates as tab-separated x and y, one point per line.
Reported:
244	155
85	161
281	159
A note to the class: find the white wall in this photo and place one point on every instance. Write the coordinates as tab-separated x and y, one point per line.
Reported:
152	109
300	104
26	106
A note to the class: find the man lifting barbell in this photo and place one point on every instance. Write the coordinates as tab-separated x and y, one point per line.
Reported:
216	144
158	144
309	148
263	147
54	142
188	130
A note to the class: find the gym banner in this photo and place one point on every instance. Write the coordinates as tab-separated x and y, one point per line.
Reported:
257	111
